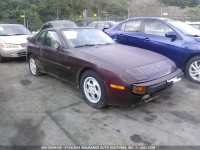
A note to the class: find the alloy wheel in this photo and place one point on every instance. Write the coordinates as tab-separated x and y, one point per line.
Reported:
194	70
92	89
33	66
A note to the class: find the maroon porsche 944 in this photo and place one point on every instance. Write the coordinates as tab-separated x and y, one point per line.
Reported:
107	73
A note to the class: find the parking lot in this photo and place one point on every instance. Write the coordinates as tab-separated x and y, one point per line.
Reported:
46	111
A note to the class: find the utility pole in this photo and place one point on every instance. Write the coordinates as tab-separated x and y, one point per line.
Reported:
57	17
98	15
85	18
129	3
161	11
24	18
128	12
27	24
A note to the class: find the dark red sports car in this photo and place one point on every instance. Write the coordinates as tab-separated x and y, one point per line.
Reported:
107	73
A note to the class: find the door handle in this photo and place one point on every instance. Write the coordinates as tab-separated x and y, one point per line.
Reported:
146	39
120	35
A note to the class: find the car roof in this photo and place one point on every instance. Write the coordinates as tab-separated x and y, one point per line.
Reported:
11	25
101	22
153	18
192	22
62	28
58	23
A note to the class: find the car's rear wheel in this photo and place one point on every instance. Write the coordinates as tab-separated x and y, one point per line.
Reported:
2	59
93	89
33	66
193	69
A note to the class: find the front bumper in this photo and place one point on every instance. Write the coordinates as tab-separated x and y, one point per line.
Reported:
155	89
18	52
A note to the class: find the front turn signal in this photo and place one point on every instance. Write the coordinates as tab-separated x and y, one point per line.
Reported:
140	89
117	87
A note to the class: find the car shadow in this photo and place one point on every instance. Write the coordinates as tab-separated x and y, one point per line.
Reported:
17	60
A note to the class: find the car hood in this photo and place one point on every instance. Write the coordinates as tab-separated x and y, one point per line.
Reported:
16	39
140	63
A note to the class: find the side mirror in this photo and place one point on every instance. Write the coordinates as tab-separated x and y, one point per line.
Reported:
56	44
170	35
31	39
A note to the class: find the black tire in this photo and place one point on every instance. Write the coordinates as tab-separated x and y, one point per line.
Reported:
187	69
2	59
36	73
102	102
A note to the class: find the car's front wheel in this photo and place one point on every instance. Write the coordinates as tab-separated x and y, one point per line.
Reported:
93	89
2	59
193	69
33	66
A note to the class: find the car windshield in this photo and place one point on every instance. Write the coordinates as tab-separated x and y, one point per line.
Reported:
185	28
197	26
86	37
10	30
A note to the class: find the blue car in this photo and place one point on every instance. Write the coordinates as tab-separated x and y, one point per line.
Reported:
176	40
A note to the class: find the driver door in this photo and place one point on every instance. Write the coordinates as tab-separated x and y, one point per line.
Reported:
155	40
48	52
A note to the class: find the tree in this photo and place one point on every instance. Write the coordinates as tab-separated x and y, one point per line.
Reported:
192	13
181	3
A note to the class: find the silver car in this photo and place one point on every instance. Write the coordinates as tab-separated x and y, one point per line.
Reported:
13	38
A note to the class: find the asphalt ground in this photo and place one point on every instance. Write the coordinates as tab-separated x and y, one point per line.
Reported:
46	111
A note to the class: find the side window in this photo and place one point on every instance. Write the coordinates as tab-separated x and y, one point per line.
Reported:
100	25
122	27
51	38
133	26
156	28
40	39
107	25
92	25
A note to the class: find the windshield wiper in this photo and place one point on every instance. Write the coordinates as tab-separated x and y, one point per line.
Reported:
194	35
84	45
5	35
108	43
19	34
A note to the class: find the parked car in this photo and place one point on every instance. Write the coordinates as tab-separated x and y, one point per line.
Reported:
176	40
13	38
58	23
102	24
107	73
55	24
194	24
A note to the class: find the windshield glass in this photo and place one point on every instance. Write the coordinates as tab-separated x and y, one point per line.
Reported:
185	28
86	37
10	30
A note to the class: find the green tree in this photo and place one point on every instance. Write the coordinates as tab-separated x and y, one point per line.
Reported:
181	3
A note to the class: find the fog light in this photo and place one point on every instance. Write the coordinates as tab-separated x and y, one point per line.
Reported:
140	89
